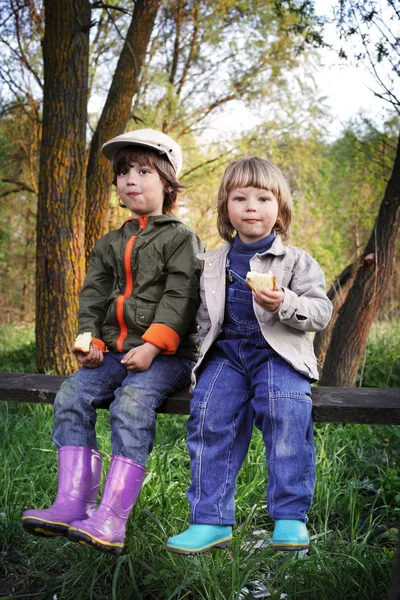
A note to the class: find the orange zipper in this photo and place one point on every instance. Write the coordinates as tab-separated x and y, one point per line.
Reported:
128	287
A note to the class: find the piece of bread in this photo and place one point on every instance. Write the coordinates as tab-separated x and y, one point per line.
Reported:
83	341
259	282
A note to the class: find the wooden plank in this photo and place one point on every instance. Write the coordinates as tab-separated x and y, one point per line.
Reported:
330	404
29	387
380	406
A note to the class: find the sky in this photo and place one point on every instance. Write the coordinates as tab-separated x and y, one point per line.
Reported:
347	90
345	86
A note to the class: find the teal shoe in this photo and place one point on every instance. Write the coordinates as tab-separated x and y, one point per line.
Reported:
290	535
200	538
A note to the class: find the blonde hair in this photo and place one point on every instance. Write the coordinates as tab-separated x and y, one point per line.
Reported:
253	171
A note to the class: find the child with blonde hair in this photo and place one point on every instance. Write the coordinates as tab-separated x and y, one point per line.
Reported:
256	363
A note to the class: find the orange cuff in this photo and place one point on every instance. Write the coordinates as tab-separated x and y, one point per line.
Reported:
163	337
99	343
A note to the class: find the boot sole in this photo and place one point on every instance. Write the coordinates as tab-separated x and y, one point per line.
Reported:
76	535
42	528
220	545
290	547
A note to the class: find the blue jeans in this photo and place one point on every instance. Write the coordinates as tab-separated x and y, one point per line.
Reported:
245	380
132	398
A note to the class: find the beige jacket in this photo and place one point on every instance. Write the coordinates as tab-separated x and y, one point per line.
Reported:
305	309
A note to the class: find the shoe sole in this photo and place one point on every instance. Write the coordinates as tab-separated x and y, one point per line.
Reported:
220	545
42	528
290	547
79	536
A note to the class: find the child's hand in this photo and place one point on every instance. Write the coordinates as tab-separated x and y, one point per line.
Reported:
140	358
271	301
91	359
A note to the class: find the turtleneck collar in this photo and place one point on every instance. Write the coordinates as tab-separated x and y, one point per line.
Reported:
254	247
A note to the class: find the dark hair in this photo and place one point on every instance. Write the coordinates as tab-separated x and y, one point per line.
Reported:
252	171
145	157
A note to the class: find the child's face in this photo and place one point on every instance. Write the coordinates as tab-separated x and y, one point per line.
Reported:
252	212
141	190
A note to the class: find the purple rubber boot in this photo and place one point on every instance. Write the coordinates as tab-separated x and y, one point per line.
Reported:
79	472
105	530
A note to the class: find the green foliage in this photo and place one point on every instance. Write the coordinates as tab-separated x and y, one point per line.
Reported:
17	348
381	363
337	188
352	522
4	239
3	149
357	171
193	68
18	213
4	228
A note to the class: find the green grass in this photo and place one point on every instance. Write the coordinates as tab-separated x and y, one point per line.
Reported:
17	348
380	366
353	519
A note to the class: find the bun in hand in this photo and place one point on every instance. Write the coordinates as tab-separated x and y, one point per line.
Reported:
83	341
260	282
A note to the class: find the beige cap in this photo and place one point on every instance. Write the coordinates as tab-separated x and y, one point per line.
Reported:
150	138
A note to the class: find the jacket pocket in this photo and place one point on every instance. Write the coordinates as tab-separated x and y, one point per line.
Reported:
145	314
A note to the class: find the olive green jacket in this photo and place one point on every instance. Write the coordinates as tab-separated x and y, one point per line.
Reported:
142	285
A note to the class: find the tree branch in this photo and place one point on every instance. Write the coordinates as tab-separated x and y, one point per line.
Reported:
122	37
205	111
193	45
14	87
175	57
207	162
4	194
22	56
121	9
20	184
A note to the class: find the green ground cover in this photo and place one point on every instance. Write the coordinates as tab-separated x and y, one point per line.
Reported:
352	521
17	348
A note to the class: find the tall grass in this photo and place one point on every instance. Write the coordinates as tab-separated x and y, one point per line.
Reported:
380	366
352	521
17	348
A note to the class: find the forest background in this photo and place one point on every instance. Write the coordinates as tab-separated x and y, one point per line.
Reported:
178	66
76	73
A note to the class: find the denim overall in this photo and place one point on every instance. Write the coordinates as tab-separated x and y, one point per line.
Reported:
244	381
131	396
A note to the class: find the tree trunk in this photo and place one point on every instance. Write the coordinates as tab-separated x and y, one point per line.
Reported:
61	203
350	333
337	294
114	117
